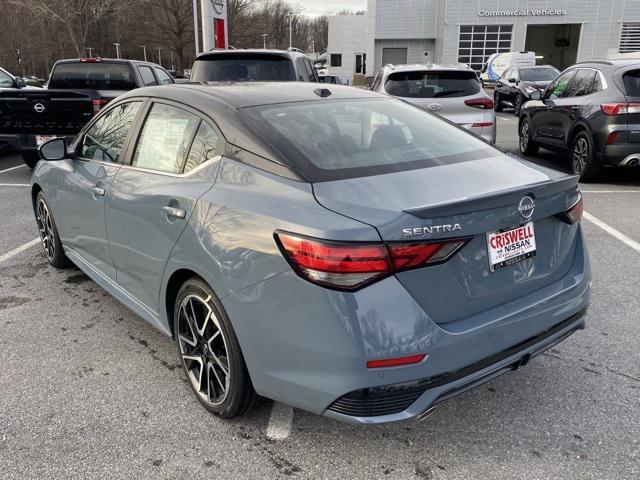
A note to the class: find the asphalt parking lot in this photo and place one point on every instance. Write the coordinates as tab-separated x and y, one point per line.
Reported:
89	390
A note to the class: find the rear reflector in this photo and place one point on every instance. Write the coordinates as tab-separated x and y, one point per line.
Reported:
482	124
351	265
574	213
98	103
395	362
620	108
484	103
612	138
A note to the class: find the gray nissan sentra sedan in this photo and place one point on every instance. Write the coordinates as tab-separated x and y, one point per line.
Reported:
334	249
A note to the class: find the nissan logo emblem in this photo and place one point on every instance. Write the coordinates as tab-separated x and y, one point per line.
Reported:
38	107
218	6
526	207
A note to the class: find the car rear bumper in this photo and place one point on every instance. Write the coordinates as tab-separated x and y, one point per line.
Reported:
308	347
622	154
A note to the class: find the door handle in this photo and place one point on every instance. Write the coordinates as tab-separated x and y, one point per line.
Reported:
99	192
174	212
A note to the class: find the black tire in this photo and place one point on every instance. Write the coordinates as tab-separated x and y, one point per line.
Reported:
211	349
582	159
527	145
517	106
497	102
31	158
49	233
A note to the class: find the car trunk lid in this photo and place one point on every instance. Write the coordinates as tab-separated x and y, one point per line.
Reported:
465	200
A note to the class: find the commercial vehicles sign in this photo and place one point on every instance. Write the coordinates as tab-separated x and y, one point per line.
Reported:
532	12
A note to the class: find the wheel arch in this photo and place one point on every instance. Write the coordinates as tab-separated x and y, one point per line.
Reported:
35	190
575	130
174	282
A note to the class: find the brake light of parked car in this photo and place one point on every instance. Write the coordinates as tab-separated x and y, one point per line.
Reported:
98	103
620	108
483	103
351	265
574	213
91	60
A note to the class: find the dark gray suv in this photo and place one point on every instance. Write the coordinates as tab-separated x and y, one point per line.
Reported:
592	111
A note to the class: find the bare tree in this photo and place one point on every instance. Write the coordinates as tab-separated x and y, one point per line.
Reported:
172	23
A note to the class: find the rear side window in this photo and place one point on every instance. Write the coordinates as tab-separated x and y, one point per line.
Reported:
163	77
203	147
243	68
147	76
105	139
304	71
581	84
5	80
92	76
432	84
165	138
632	83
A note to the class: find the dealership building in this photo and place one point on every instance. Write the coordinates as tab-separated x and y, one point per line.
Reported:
561	32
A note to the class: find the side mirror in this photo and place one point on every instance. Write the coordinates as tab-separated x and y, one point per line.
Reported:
512	80
537	95
55	149
19	82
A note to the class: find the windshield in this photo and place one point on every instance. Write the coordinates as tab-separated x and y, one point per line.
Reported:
432	84
335	139
92	76
538	74
242	68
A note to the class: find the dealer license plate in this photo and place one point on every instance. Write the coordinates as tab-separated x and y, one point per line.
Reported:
40	139
512	246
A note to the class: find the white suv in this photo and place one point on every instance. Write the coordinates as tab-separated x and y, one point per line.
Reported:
452	91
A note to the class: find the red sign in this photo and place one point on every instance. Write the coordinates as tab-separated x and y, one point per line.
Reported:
219	26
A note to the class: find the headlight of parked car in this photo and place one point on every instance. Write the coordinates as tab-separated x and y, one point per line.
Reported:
530	90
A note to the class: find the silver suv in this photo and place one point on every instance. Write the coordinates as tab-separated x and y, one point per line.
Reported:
452	91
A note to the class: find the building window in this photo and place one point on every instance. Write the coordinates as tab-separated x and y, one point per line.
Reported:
629	38
336	59
478	42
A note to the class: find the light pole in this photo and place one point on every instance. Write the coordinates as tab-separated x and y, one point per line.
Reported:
144	51
117	49
195	25
264	40
159	57
313	50
291	15
171	56
90	49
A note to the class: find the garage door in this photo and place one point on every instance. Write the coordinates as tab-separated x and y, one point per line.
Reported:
395	56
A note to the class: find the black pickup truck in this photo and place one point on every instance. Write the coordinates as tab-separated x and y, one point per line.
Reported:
77	90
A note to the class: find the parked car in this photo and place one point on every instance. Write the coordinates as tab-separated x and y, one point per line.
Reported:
253	66
332	248
499	62
590	111
515	86
76	90
452	91
330	79
7	80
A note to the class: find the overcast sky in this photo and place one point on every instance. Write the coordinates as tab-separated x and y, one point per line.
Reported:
323	7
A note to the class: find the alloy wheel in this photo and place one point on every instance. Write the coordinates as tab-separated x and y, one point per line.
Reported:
524	136
518	106
580	155
203	348
45	226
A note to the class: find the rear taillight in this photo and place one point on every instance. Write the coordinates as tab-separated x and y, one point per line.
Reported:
620	108
351	265
574	213
484	103
98	103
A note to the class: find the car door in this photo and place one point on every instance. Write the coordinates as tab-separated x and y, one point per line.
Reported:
574	104
546	116
99	154
172	164
502	85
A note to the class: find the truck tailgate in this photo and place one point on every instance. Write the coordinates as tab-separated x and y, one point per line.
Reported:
58	112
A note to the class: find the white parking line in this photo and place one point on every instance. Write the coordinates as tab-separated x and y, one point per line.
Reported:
280	420
613	232
14	185
610	191
12	168
18	250
505	118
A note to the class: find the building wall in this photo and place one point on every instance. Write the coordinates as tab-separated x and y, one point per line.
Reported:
405	19
416	50
347	36
601	22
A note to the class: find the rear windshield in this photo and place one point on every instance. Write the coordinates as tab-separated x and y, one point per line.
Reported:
538	74
243	68
335	139
432	84
632	83
92	76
